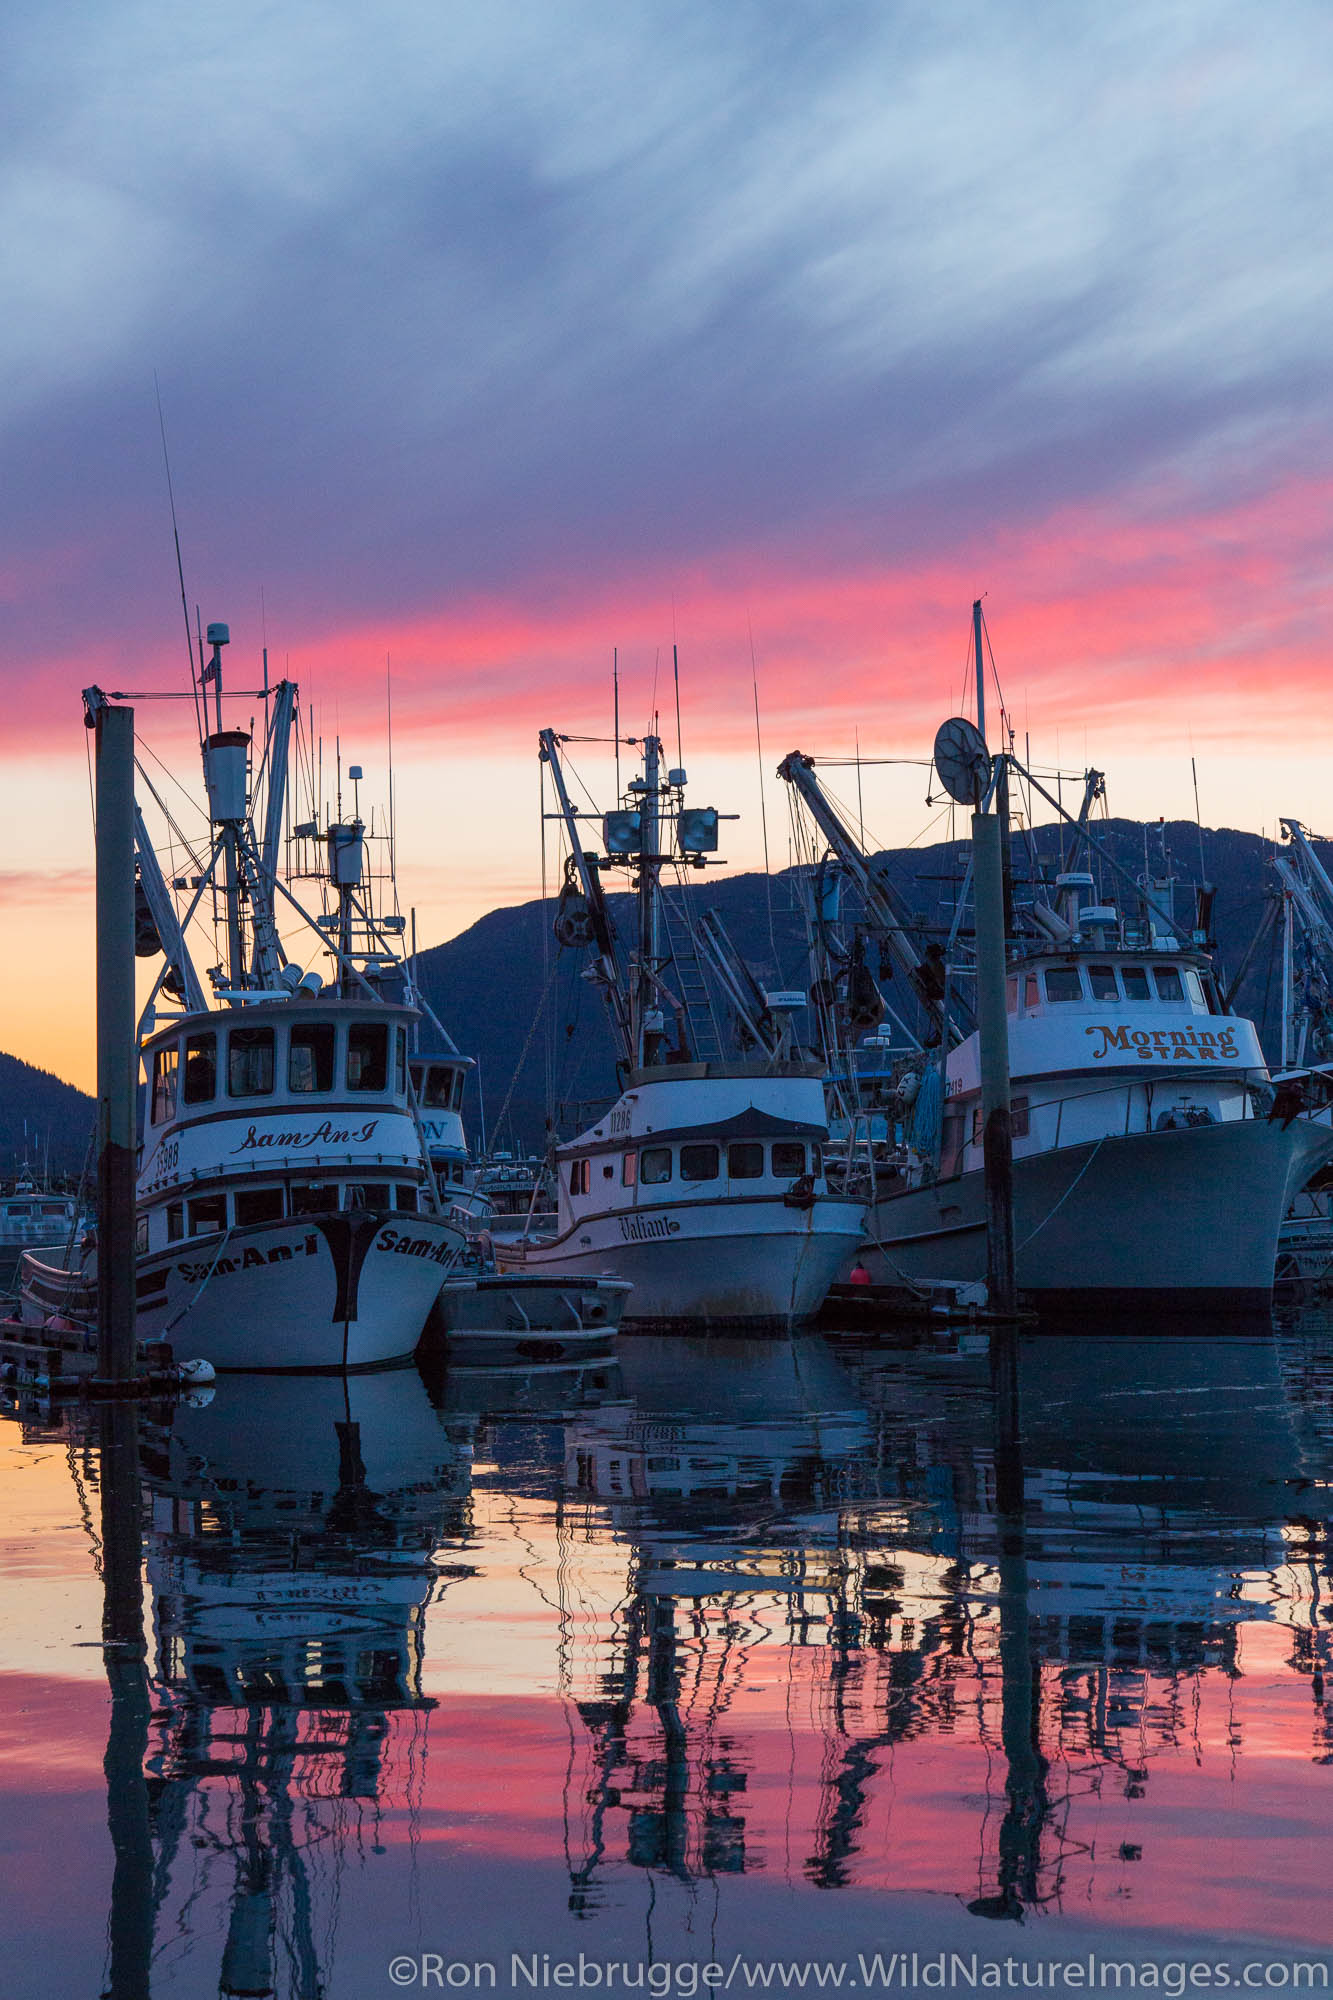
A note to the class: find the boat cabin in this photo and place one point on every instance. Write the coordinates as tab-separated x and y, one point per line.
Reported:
275	1111
439	1082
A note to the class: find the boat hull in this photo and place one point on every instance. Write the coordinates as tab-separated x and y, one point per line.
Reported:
489	1318
1155	1221
337	1291
755	1265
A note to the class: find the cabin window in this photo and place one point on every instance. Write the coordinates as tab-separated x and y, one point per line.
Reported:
1030	995
1011	994
141	1234
62	1208
258	1205
608	1171
788	1158
978	1129
655	1165
629	1170
460	1085
699	1163
208	1214
1136	981
368	1194
951	1143
175	1221
1019	1125
745	1160
201	1069
310	1058
580	1177
400	1061
1169	987
1192	987
1063	983
164	1085
816	1159
405	1198
1102	980
367	1056
315	1198
437	1088
250	1062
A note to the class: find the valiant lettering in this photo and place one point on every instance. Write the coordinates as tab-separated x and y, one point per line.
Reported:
323	1135
645	1228
1166	1044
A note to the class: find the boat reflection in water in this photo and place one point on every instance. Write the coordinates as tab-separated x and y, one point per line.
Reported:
292	1554
992	1635
961	1622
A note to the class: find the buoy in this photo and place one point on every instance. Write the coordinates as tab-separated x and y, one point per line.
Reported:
858	1275
197	1373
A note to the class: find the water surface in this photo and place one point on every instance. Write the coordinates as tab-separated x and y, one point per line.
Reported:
726	1653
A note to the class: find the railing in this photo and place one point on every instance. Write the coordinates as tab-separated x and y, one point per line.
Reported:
1252	1096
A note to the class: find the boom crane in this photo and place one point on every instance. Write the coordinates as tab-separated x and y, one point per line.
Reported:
881	903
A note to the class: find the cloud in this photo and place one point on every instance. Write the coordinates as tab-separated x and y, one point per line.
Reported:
495	338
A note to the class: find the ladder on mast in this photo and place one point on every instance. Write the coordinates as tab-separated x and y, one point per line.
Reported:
691	985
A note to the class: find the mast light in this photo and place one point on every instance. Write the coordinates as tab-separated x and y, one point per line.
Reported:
696	830
622	833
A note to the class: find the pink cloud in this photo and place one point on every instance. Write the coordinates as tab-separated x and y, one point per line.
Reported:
1209	617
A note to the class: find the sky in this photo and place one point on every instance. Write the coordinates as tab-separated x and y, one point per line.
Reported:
491	339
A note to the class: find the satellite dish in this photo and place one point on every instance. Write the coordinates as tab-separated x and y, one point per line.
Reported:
962	760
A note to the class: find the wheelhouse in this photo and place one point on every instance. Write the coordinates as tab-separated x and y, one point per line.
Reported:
275	1114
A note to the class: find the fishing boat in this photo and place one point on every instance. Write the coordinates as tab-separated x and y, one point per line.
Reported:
287	1218
1154	1158
703	1184
34	1215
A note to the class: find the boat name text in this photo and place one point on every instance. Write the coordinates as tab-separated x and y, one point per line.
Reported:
1166	1044
417	1246
646	1228
322	1135
247	1260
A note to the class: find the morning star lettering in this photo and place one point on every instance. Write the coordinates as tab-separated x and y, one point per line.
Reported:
1166	1044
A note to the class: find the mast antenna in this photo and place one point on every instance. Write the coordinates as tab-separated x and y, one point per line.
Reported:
393	818
675	671
180	567
615	711
763	807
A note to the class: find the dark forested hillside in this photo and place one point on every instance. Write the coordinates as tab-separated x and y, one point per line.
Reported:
57	1115
505	991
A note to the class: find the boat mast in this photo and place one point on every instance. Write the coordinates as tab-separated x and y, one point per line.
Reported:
267	955
606	969
646	1001
226	753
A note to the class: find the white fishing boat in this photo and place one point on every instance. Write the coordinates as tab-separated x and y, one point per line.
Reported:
703	1184
1153	1158
1153	1161
34	1215
287	1218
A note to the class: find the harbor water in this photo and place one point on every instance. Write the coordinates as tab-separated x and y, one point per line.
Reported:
727	1665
